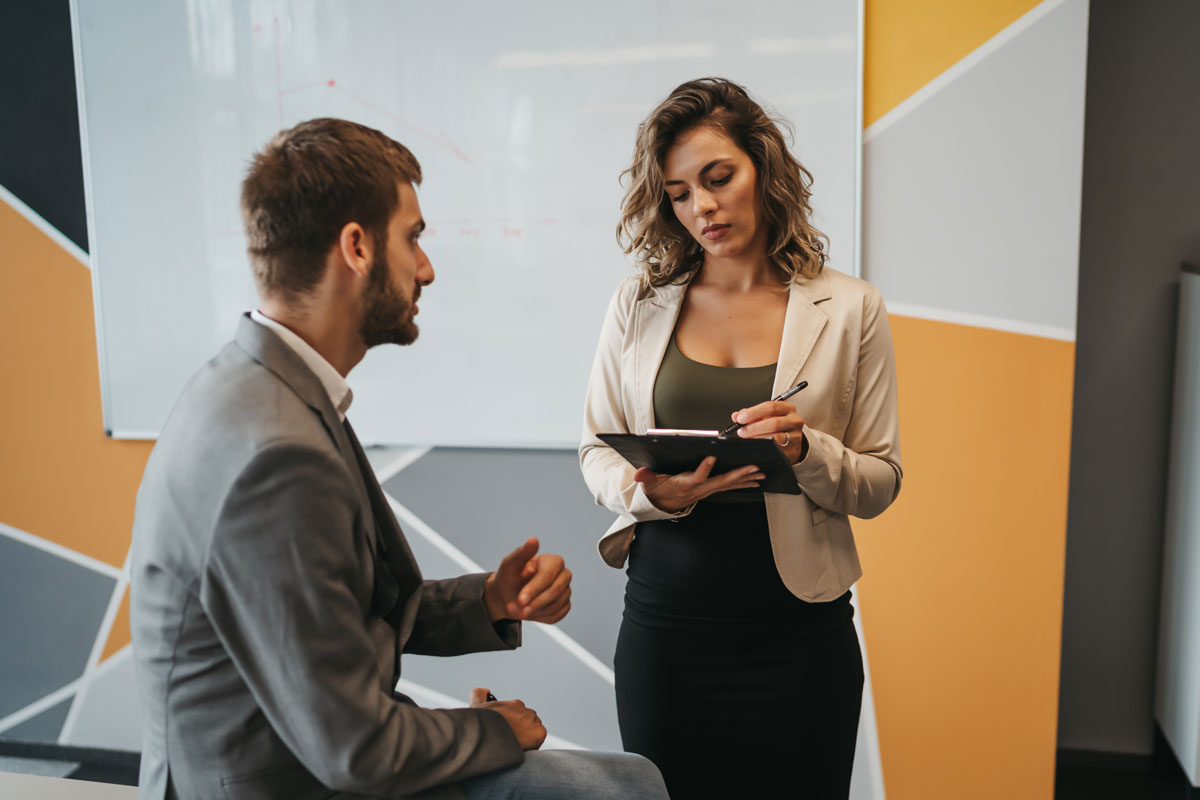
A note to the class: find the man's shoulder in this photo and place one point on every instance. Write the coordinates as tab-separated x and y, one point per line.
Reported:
233	391
232	408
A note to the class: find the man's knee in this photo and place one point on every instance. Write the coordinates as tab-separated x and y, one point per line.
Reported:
645	782
622	776
582	774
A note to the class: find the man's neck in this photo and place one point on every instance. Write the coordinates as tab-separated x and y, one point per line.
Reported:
333	336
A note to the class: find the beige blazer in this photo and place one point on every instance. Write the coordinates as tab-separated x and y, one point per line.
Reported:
835	336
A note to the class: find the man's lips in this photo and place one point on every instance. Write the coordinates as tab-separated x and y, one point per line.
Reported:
714	231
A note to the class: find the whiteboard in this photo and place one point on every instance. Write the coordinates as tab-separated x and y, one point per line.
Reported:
522	114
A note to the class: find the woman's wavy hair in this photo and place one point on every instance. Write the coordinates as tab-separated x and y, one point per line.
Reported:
648	229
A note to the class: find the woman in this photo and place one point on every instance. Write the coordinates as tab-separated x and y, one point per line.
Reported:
737	666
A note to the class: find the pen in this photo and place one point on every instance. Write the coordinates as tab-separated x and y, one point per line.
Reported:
732	429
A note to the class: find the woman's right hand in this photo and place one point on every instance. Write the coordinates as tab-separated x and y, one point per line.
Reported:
674	493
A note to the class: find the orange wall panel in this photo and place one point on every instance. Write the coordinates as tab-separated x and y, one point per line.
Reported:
64	480
963	577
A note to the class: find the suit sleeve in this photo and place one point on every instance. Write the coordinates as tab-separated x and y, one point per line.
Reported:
608	475
283	588
452	620
860	474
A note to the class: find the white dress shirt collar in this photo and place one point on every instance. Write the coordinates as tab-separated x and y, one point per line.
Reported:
335	385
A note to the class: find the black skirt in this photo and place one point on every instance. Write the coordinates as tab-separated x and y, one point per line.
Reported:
727	681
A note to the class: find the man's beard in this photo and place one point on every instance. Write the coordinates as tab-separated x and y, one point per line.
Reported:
387	315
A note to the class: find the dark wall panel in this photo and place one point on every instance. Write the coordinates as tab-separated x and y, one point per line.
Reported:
40	160
1141	218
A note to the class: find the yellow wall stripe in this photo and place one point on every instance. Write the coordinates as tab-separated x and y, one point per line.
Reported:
908	43
961	595
64	480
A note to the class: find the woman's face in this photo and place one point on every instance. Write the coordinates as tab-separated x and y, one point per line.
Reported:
713	187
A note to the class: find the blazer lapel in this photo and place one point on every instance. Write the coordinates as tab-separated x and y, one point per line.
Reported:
396	576
802	325
653	321
269	350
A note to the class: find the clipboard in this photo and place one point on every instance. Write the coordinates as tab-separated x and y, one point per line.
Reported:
671	452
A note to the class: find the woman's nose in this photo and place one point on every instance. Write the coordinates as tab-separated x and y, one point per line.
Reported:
703	203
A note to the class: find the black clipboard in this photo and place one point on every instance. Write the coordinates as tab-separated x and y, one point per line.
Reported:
674	453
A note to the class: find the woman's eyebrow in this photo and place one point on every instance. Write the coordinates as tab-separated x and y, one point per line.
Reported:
706	168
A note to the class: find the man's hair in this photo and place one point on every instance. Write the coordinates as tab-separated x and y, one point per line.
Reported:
648	228
308	183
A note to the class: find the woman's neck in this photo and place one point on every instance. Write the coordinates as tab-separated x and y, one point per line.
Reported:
738	274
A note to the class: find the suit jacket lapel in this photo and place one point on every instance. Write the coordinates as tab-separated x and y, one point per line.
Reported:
396	575
801	327
266	348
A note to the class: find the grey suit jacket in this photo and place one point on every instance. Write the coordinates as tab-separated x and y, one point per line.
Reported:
272	594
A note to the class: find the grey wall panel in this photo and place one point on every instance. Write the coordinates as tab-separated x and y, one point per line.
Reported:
45	727
1141	218
1009	252
575	703
109	713
52	612
487	502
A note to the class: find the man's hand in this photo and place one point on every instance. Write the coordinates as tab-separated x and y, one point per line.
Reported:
528	586
529	730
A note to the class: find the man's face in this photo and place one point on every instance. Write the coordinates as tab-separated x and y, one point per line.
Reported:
389	299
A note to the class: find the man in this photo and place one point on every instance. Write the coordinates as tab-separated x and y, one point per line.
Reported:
272	589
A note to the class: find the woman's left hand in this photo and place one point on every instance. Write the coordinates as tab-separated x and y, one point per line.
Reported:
779	420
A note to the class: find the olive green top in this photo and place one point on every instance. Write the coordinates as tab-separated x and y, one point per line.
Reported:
690	394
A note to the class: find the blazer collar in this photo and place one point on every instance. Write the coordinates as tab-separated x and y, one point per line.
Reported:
813	288
669	296
265	347
802	325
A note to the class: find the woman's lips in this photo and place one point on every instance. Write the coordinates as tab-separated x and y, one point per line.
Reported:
713	232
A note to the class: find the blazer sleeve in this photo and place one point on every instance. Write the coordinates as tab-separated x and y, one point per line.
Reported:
283	587
607	474
452	620
860	473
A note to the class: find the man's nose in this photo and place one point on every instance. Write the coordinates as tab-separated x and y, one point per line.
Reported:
424	270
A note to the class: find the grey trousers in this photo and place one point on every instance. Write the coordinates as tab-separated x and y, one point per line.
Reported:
571	775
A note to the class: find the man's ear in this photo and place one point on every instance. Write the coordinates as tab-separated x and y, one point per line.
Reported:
354	247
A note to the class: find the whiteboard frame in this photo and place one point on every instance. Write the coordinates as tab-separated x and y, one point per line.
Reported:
105	392
85	154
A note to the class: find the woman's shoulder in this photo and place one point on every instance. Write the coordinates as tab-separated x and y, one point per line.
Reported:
634	289
841	289
847	285
630	290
